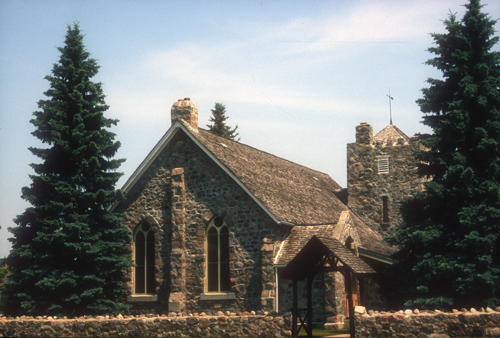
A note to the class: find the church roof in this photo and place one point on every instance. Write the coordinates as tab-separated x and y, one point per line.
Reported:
289	193
390	135
293	193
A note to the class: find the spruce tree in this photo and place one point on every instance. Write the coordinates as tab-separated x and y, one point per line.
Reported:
450	240
219	126
69	253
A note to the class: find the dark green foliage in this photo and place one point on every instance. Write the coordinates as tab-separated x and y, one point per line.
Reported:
3	275
219	126
69	252
450	243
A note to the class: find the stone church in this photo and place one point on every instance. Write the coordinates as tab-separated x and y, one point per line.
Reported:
213	222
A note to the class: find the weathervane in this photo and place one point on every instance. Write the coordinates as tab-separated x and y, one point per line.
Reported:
390	109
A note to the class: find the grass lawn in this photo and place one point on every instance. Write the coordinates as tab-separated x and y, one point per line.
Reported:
321	332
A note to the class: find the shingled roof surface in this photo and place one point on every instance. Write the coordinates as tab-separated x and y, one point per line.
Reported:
371	240
298	237
347	257
308	260
390	135
293	193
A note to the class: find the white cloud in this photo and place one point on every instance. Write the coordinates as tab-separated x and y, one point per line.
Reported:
290	67
257	70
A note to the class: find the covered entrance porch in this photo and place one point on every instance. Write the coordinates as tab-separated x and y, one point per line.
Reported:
322	254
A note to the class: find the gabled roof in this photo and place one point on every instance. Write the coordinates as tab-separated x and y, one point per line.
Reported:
390	136
298	238
347	257
308	260
370	242
288	192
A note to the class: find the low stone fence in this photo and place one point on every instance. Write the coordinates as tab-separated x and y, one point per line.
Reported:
148	326
434	324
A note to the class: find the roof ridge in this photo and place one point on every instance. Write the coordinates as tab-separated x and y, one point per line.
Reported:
400	131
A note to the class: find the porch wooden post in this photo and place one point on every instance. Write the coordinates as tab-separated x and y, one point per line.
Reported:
347	276
310	278
294	309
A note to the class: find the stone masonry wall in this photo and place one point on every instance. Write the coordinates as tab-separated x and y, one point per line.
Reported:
182	190
319	297
151	326
373	297
366	186
435	324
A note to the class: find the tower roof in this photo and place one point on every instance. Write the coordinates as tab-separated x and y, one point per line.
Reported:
391	135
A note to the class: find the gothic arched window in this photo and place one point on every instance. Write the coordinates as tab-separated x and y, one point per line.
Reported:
144	257
217	255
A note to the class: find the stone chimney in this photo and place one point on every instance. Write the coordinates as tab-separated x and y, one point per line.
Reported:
364	133
185	110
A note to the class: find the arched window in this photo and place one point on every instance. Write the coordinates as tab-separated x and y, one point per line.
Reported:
217	255
144	256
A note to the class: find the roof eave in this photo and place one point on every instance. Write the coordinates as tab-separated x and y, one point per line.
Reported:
146	163
153	154
376	256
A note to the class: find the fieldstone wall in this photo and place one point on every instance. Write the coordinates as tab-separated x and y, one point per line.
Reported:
437	324
178	195
367	187
320	298
148	326
336	301
373	297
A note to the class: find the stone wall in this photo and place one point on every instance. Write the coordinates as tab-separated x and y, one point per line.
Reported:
148	326
372	296
367	187
437	324
320	298
178	195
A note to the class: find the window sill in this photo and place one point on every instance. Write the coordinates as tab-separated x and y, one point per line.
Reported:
142	298
218	296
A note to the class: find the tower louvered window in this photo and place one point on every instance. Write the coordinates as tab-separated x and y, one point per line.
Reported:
383	165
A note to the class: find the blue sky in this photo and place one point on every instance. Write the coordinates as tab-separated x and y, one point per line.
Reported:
295	76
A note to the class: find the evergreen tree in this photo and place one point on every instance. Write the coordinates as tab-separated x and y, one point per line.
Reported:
219	126
69	252
450	241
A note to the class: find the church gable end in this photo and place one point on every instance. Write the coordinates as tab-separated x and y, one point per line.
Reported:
183	190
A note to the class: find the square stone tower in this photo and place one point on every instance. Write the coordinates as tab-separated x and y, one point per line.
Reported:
381	173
